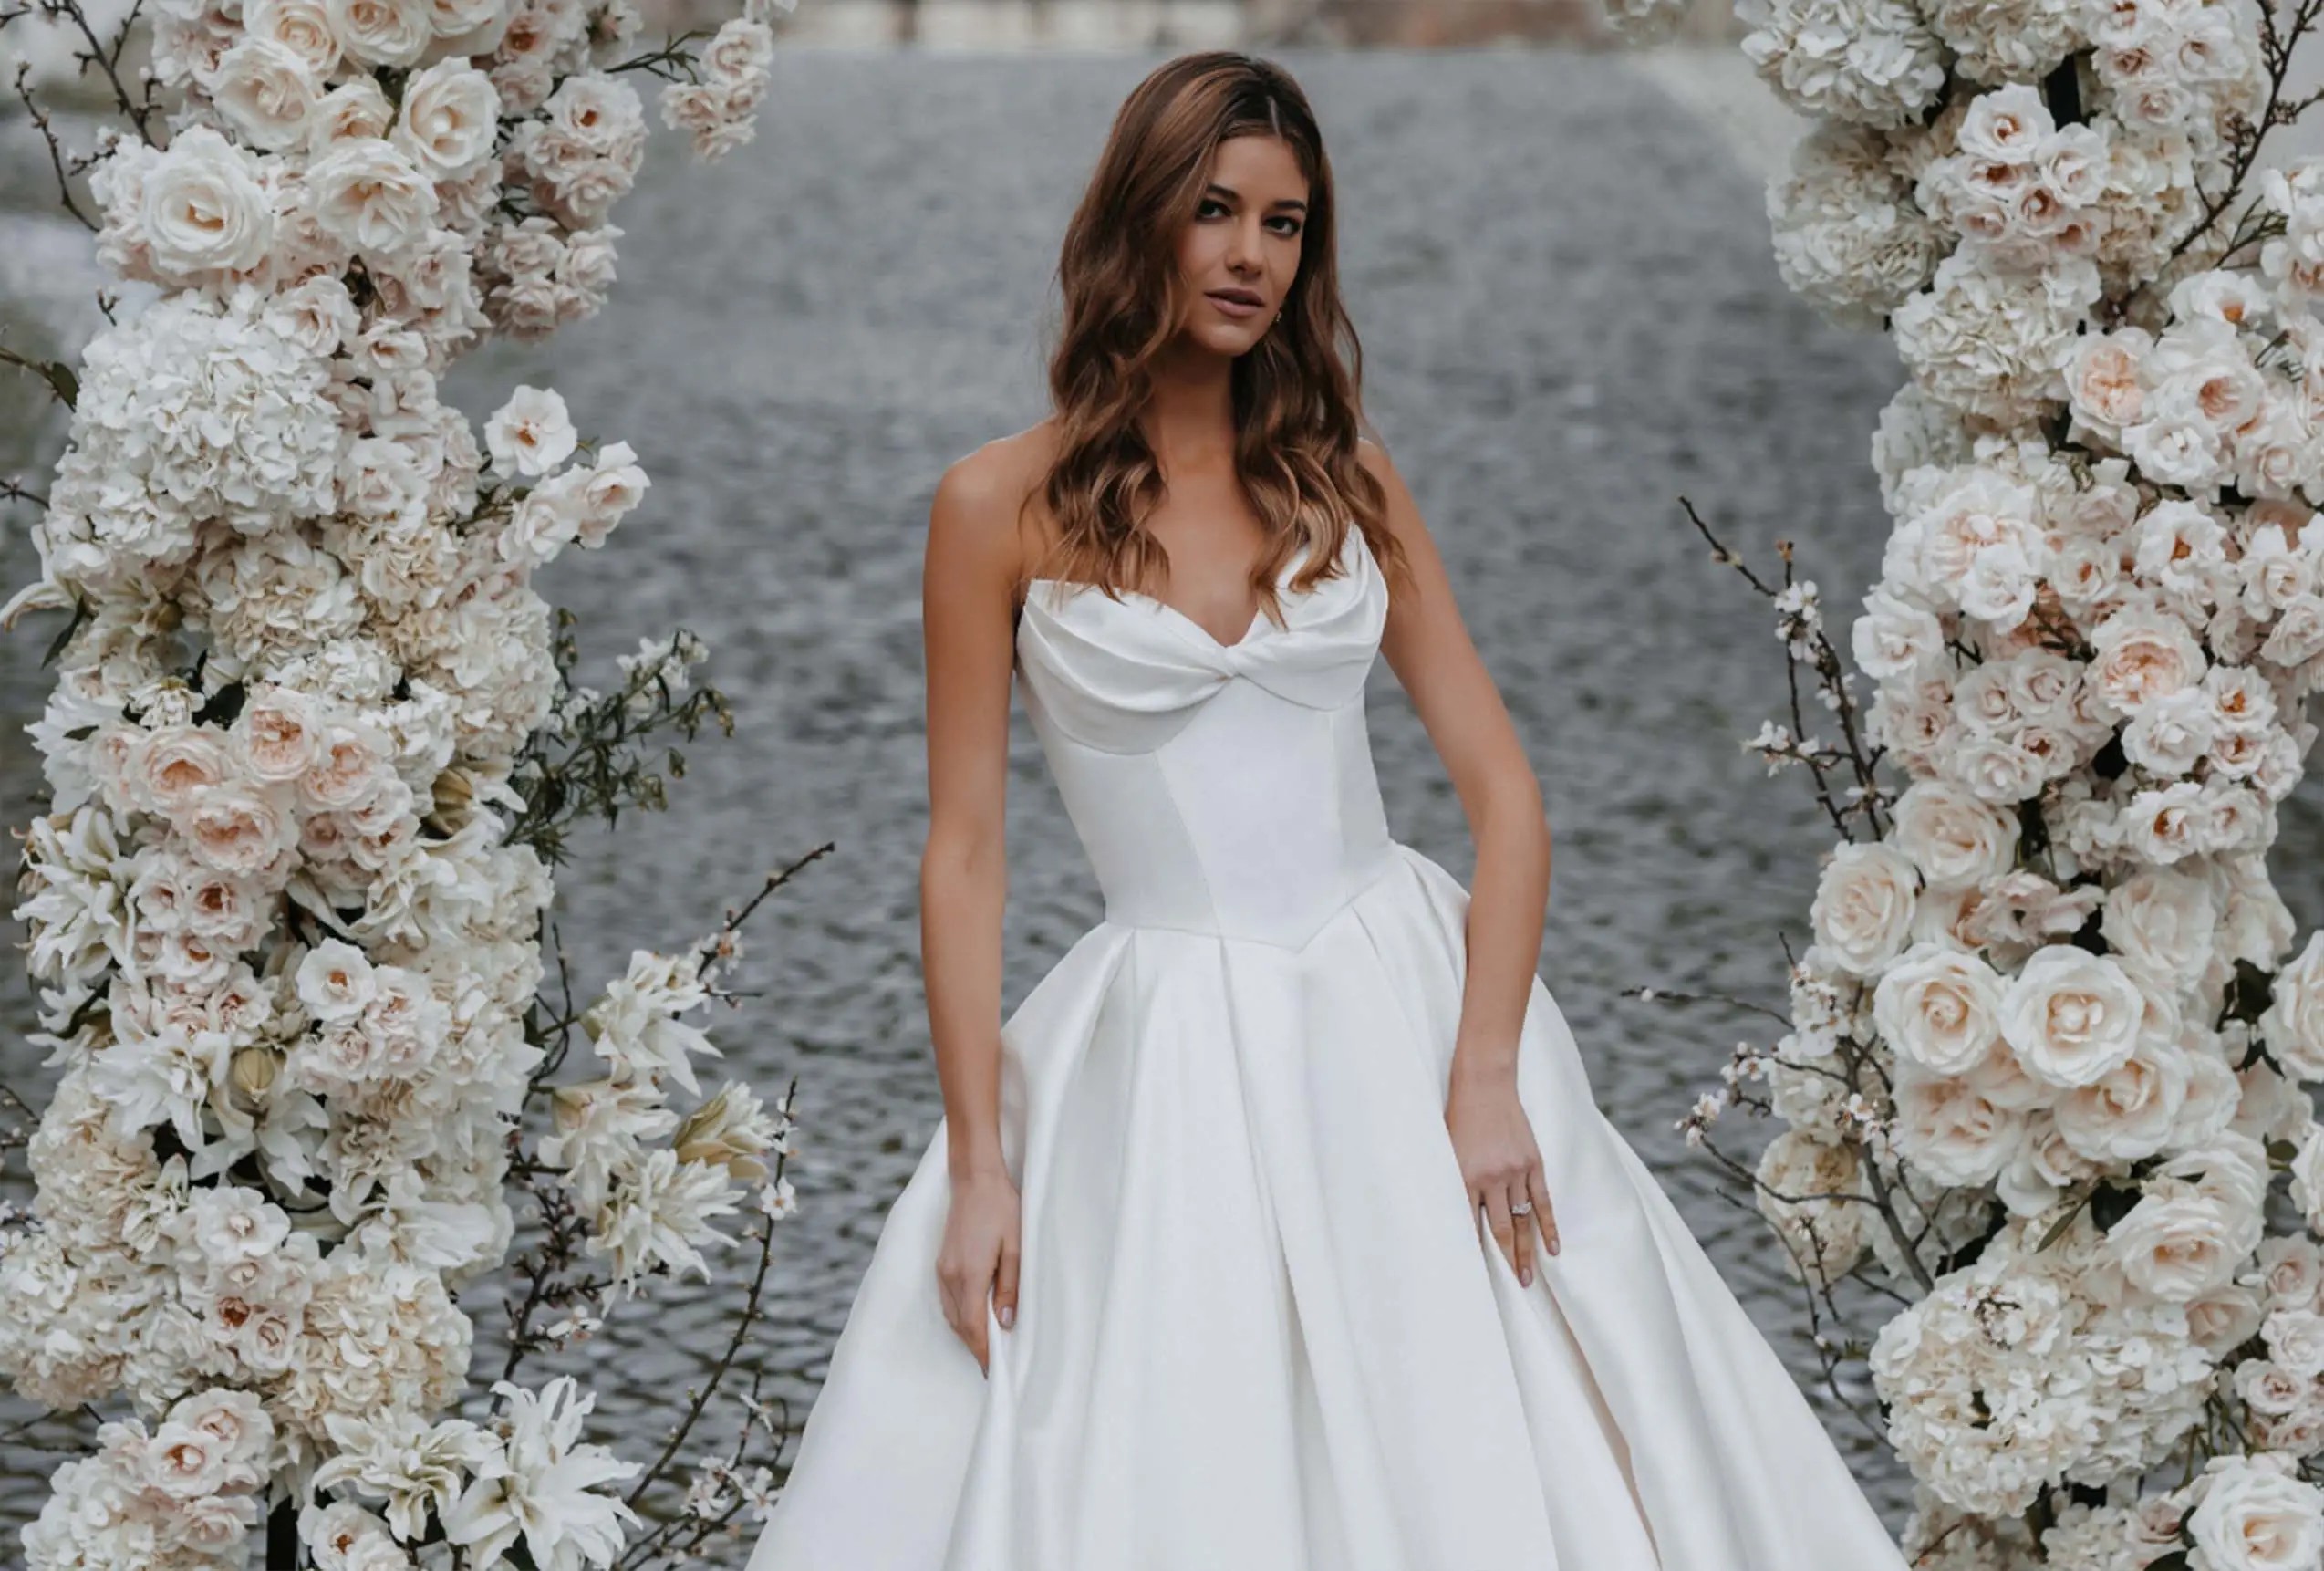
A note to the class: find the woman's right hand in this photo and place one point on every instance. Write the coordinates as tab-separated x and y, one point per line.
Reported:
978	1257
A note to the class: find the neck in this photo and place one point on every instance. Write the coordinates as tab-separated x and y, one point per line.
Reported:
1188	419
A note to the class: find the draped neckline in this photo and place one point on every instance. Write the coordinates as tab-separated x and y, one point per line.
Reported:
1180	619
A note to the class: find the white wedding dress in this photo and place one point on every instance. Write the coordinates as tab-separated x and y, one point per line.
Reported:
1260	1327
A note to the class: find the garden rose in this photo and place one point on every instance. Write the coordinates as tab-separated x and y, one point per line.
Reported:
2071	1015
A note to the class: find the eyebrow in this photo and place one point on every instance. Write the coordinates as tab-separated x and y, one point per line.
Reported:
1228	190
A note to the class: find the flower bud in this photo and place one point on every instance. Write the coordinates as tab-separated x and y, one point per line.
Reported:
723	1131
253	1070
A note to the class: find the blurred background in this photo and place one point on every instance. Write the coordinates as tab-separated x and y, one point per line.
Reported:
1557	256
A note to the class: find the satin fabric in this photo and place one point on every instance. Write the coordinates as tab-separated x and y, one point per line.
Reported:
1260	1327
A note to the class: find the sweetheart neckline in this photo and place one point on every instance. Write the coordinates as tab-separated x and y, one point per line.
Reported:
1200	632
1205	634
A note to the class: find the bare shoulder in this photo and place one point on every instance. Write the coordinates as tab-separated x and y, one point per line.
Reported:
1403	514
1374	458
976	517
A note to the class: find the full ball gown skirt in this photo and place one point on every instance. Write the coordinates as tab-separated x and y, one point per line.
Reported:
1259	1325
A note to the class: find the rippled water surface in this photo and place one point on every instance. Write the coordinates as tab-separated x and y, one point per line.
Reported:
1570	319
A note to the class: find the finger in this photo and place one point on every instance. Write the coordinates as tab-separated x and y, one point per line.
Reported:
1523	1228
1537	1184
1504	1228
952	1315
1004	1294
978	1343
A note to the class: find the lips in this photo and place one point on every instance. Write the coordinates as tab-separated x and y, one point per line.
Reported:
1237	296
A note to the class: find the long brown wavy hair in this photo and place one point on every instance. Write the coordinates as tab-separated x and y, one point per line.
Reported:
1296	402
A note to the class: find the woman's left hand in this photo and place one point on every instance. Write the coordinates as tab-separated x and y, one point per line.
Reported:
1501	1164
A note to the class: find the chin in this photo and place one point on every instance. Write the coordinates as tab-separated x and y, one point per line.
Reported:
1220	340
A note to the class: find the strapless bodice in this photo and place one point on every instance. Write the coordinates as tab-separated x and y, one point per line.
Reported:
1216	788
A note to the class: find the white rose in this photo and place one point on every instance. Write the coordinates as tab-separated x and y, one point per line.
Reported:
2131	1110
1863	907
2293	1023
2174	1246
336	982
2042	684
2223	1319
2072	1016
2162	922
215	1526
531	434
2258	1519
303	26
2166	825
277	735
237	1418
1998	585
451	112
2291	1272
182	1462
2168	735
268	89
355	110
614	486
2002	1080
2213	1095
2308	1174
2044	1168
1940	1006
2105	382
1895	637
1946	1127
2299	633
239	829
203	207
381	32
741	51
371	196
2143	653
320	314
2274	575
1952	836
2272	1389
2001	772
167	770
2295	1337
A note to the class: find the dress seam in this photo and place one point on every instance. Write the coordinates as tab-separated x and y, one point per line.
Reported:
1390	863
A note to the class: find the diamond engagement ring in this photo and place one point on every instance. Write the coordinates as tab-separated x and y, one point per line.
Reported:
1521	1208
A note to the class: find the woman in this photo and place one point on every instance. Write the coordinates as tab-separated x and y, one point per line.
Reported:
1278	1229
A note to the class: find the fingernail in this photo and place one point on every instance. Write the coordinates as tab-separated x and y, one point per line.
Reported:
1526	1277
1008	1315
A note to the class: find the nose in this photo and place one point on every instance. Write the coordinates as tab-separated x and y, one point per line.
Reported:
1243	252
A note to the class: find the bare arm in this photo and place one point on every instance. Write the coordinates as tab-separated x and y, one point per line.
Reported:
1428	648
967	584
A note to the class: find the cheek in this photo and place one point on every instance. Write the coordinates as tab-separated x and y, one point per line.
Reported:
1197	251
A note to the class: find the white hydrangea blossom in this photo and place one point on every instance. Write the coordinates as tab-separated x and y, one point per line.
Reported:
1848	234
2010	41
2054	1010
1872	61
283	943
1995	346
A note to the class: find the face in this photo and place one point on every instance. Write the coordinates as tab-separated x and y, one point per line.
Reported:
1239	252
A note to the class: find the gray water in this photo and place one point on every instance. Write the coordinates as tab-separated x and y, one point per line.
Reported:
1570	319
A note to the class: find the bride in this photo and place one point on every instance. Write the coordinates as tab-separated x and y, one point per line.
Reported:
1278	1228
